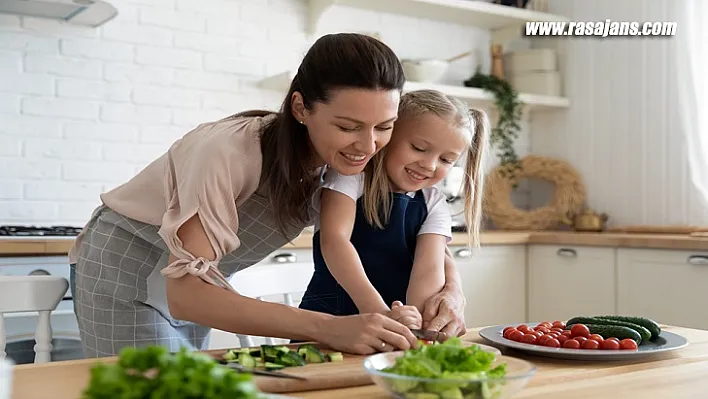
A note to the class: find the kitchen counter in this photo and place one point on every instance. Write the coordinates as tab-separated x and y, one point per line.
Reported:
678	374
60	246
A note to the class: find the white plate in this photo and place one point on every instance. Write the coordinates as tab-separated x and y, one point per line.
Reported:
667	341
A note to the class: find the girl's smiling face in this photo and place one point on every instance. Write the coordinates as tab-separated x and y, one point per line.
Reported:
422	150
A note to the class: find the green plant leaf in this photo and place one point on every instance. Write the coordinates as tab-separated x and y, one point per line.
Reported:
506	131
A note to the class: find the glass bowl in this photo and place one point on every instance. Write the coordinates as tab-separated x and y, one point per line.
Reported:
518	373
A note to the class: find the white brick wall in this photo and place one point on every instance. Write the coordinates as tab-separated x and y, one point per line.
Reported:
83	109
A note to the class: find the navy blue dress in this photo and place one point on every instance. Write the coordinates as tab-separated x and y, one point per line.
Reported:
386	255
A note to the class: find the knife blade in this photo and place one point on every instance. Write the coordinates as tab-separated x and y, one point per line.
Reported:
427	335
278	374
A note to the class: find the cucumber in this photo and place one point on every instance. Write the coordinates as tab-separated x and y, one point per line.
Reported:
247	360
619	332
646	334
311	353
291	359
231	355
273	366
649	324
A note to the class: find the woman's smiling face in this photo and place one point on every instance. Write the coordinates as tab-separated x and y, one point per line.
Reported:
351	127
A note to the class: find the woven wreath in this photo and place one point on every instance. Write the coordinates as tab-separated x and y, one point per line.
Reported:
568	197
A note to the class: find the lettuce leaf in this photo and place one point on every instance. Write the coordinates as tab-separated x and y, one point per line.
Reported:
152	372
448	361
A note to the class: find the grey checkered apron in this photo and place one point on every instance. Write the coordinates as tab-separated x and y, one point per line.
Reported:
116	264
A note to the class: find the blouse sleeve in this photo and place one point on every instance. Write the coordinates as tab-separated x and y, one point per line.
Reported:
205	173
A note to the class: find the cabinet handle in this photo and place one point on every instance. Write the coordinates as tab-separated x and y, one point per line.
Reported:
463	253
285	258
698	260
567	253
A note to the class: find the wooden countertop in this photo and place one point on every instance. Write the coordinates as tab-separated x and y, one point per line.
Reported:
61	246
679	374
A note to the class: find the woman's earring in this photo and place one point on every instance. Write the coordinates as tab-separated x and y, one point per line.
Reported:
301	122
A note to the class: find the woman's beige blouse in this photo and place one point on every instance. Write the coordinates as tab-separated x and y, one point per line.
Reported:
210	172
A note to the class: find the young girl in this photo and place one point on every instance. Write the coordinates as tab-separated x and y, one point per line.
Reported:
381	235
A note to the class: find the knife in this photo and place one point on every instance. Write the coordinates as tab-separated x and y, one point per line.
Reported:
278	374
428	335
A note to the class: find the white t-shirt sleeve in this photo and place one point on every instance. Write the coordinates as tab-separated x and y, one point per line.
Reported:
439	219
350	185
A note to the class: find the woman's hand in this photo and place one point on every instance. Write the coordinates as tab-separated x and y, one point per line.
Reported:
365	334
444	312
407	315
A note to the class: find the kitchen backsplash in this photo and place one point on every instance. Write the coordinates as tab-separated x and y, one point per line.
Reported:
83	109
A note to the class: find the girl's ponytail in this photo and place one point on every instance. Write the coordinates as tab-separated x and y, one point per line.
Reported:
474	175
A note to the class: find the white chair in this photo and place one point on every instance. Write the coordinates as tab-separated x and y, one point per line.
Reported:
39	294
280	282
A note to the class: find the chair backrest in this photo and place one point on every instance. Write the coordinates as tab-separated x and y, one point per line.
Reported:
279	282
39	294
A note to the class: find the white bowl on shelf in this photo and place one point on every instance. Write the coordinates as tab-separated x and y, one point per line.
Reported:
424	70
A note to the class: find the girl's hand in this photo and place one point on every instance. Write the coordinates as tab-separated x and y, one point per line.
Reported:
365	334
409	316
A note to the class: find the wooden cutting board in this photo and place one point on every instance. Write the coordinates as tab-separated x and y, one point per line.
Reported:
331	375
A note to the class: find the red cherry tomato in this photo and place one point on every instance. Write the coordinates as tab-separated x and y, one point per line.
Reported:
508	328
571	344
596	337
558	324
520	326
544	324
553	343
628	344
516	336
580	339
590	344
567	333
580	330
543	339
562	339
507	332
529	338
526	330
557	329
612	339
610	345
543	329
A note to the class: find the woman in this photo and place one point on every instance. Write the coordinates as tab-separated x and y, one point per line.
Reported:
150	266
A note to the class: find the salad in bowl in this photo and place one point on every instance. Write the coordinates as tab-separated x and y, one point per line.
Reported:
449	370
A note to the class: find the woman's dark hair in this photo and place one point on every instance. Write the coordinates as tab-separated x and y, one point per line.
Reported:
335	61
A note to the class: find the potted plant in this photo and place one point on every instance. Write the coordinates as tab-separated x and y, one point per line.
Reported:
507	128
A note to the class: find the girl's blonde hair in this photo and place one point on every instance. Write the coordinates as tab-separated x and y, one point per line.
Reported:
376	196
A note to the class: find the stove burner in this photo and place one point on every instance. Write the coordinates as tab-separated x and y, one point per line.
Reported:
32	231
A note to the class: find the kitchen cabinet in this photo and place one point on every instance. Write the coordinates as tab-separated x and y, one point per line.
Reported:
494	282
669	286
568	281
282	278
